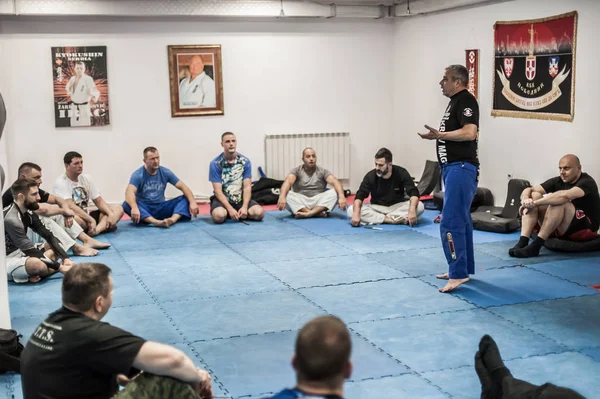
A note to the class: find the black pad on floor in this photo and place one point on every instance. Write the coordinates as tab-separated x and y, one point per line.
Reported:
508	220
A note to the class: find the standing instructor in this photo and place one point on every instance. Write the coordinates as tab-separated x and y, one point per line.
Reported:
456	143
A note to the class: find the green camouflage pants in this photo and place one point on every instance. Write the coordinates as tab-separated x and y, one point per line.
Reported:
150	386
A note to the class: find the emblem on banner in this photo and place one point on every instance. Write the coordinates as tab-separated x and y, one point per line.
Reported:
553	66
472	57
509	63
530	68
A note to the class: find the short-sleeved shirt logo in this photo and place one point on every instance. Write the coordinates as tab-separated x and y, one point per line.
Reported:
468	112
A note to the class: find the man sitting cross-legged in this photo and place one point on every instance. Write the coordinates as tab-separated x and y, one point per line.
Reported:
321	360
145	194
571	210
79	190
26	261
57	216
386	184
310	197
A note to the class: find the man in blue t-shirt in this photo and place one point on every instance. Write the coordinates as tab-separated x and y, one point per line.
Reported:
231	176
321	360
145	194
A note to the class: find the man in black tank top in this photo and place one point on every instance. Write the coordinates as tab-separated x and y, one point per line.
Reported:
456	143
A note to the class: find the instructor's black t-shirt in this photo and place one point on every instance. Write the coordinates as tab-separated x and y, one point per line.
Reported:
71	355
462	110
7	197
589	203
387	192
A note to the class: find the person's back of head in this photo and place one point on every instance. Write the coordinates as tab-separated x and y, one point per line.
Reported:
322	357
87	288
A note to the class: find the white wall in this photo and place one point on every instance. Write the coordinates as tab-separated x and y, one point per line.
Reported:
530	149
279	76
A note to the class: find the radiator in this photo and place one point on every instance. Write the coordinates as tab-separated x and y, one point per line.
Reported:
284	151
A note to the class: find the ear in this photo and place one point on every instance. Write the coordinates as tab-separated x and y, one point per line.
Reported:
294	366
98	304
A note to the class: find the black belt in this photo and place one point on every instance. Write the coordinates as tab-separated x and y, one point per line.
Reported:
85	103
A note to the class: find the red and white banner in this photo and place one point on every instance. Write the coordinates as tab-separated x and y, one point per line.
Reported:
472	64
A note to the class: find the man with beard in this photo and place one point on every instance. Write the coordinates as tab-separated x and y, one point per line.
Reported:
310	197
26	261
386	184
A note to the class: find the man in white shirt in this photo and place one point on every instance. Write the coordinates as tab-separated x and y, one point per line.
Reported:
198	89
82	195
80	89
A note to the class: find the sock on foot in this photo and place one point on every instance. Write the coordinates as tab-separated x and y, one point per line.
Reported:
531	250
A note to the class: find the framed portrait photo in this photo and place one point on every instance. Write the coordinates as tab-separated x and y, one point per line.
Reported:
196	80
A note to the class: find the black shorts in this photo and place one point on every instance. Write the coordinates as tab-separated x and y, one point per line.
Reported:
215	203
96	215
580	229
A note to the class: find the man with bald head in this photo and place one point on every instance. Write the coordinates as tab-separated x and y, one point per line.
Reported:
566	206
310	197
198	89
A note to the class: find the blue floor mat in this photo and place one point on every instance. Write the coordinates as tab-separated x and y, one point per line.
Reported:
241	315
581	271
330	271
383	241
382	300
232	297
404	386
430	261
512	285
573	322
286	249
449	340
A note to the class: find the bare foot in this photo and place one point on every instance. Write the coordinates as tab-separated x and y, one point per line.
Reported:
322	214
80	250
93	243
170	222
442	276
453	283
399	220
301	215
162	223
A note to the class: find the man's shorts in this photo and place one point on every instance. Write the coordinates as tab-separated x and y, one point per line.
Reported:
215	203
96	215
580	229
15	265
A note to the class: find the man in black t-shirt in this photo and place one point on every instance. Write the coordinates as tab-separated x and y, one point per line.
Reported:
321	360
72	354
571	210
456	143
387	185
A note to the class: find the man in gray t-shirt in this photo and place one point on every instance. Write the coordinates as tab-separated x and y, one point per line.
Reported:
310	197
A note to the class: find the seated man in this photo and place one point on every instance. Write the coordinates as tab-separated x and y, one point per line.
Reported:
145	194
26	261
497	381
58	219
310	197
571	210
72	354
80	192
322	360
386	185
231	176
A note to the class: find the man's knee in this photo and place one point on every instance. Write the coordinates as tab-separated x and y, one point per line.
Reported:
219	215
35	267
256	212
